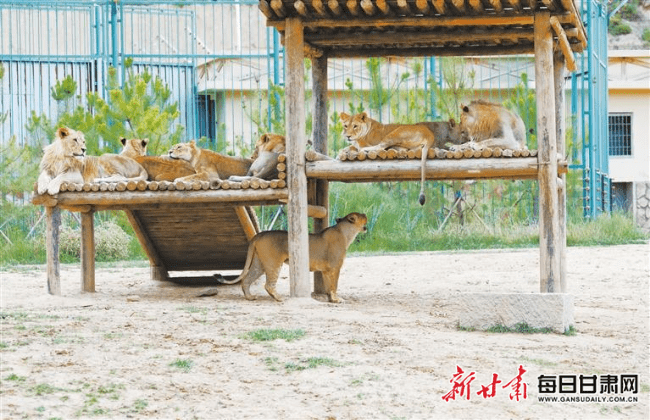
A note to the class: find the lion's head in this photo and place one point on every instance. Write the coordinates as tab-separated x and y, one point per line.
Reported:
355	127
71	143
269	142
133	147
184	151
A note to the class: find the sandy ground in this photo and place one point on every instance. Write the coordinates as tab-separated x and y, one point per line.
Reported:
143	349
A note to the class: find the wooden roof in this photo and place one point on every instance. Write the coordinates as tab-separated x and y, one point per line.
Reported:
365	28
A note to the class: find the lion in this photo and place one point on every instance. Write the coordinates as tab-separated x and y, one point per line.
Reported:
209	166
65	160
265	158
268	250
490	125
446	133
159	168
368	134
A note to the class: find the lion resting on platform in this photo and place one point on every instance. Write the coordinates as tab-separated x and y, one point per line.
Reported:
265	158
368	134
159	168
65	160
209	166
269	250
490	125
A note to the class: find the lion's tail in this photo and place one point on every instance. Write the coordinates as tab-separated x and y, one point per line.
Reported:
247	266
425	152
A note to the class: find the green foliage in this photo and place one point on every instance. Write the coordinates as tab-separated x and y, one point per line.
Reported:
139	108
523	102
18	167
275	334
618	27
111	242
183	364
520	328
646	36
457	82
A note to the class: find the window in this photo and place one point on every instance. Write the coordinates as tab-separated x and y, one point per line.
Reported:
620	134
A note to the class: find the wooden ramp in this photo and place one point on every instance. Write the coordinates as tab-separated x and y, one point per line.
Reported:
195	237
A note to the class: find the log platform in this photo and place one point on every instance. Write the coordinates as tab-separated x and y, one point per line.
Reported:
181	226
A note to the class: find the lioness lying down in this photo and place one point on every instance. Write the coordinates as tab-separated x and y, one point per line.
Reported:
209	166
65	160
265	158
269	250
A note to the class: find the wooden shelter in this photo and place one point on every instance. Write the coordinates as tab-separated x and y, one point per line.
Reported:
552	30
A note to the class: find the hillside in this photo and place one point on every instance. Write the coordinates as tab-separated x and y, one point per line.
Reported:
629	29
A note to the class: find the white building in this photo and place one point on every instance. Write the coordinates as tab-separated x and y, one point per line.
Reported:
629	132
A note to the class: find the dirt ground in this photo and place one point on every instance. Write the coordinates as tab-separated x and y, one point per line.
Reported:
143	349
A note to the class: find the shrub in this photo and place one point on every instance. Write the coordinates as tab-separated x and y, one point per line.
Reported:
646	36
618	27
111	242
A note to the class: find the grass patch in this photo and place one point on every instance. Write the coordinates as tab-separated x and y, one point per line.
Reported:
15	378
520	328
311	363
275	334
182	364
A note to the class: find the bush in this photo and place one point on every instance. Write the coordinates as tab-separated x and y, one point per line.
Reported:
618	27
646	36
111	242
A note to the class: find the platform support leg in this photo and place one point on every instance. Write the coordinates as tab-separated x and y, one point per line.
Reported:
88	252
549	234
53	219
296	146
319	139
559	66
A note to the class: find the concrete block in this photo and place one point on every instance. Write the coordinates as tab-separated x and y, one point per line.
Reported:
539	310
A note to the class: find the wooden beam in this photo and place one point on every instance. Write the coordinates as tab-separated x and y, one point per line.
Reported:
432	51
319	139
246	222
435	169
334	7
476	5
265	8
458	6
422	6
106	199
383	6
88	252
157	264
353	7
549	237
496	5
560	121
301	8
403	7
296	145
440	6
53	220
564	44
421	38
413	22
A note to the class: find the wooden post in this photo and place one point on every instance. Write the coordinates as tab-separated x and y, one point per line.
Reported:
53	218
319	77
88	252
296	177
549	235
157	265
559	65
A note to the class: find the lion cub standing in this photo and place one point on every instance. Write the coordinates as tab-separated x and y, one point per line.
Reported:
269	250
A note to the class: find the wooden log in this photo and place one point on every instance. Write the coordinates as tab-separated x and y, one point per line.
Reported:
278	8
313	211
94	187
319	6
437	169
158	269
301	8
516	5
440	6
53	221
486	153
265	8
246	183
334	7
422	6
205	185
353	7
368	7
458	5
246	223
497	152
153	186
281	183
282	167
382	5
141	185
468	153
564	44
476	5
118	186
320	131
391	154
88	252
362	155
560	121
312	155
282	175
131	185
477	154
547	157
496	5
255	183
295	111
87	186
103	186
403	7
